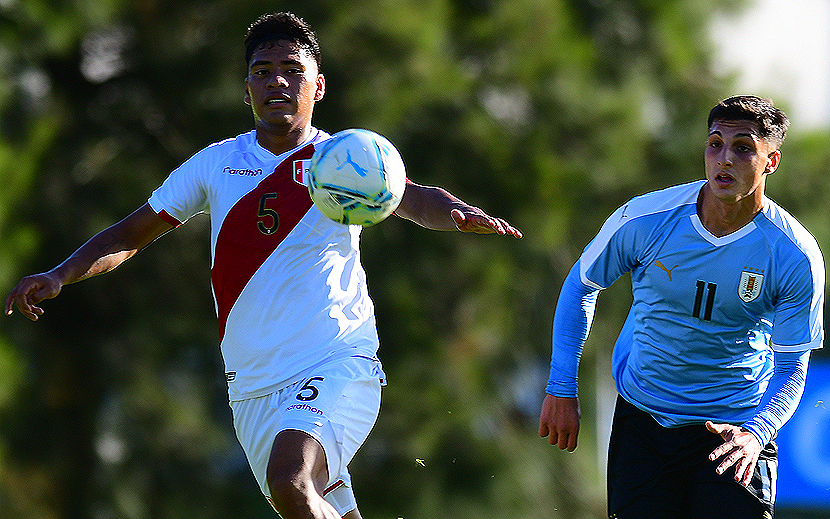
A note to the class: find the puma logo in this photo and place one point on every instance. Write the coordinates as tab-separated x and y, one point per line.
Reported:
357	167
667	270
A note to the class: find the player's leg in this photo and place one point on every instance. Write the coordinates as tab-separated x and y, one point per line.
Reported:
342	497
336	405
719	495
297	475
645	478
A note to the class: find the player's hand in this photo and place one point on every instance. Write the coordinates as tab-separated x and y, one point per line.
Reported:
741	448
559	421
477	221
30	291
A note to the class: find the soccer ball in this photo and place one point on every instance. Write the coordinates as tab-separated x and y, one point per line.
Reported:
356	177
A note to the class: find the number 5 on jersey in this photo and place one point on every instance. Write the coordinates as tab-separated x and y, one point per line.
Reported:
309	391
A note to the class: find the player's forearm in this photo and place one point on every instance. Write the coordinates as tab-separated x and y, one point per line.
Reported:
102	253
112	246
781	396
571	324
429	207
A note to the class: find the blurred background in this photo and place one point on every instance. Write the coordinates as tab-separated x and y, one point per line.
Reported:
549	113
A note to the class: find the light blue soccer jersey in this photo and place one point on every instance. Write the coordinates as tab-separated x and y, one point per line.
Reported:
708	311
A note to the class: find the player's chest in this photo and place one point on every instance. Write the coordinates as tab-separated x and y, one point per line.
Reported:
709	280
276	195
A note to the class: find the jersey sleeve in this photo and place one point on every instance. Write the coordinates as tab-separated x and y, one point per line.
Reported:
609	255
781	396
798	323
612	253
184	193
571	324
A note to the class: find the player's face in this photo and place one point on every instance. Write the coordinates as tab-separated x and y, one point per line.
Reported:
738	161
282	86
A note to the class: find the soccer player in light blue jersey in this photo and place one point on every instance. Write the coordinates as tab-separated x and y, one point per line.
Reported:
728	295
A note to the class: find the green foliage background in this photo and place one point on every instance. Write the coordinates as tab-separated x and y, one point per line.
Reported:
549	113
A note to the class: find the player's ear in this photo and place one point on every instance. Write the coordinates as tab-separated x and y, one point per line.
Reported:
321	87
773	159
247	97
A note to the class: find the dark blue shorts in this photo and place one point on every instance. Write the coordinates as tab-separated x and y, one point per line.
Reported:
658	472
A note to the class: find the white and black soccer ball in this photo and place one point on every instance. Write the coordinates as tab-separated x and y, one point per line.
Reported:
357	177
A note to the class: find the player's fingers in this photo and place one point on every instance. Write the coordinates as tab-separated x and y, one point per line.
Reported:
572	440
478	223
735	455
36	311
9	304
484	225
723	431
458	218
567	441
553	437
516	233
744	470
724	451
715	428
500	226
28	310
720	451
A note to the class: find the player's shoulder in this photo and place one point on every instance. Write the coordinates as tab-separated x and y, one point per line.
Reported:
789	231
646	216
241	142
665	199
318	136
659	204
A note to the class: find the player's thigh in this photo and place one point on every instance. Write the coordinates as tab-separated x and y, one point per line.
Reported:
726	498
316	405
297	453
337	405
716	496
645	474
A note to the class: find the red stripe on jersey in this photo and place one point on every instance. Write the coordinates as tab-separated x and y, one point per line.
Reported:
254	228
169	219
333	486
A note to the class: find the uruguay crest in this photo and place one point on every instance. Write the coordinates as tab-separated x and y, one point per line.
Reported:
750	286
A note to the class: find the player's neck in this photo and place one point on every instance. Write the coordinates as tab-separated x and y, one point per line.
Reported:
723	217
278	142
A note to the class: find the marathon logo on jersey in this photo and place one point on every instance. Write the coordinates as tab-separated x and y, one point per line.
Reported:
304	407
242	172
301	168
749	287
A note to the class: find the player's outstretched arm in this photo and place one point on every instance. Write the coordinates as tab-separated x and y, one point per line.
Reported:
435	208
102	253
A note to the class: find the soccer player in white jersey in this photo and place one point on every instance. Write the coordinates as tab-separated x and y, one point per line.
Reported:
297	325
728	294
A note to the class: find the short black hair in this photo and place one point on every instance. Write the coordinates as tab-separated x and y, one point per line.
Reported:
772	122
281	26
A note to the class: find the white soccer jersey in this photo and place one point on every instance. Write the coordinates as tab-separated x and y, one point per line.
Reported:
708	311
289	289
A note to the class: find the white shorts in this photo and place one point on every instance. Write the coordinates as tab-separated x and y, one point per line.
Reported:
337	404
